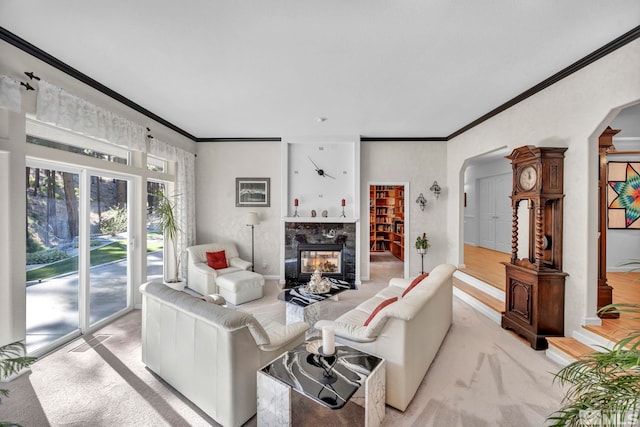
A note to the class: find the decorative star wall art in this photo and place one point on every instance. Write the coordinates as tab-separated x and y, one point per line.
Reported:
623	195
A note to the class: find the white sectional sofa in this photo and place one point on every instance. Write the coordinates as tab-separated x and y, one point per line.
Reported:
210	353
407	333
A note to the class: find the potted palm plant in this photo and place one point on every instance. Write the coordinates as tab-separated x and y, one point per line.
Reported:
603	388
170	227
422	244
12	361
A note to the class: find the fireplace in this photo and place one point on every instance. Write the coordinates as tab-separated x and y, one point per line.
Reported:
326	258
309	244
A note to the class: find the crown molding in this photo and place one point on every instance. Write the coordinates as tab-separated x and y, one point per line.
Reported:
405	139
261	138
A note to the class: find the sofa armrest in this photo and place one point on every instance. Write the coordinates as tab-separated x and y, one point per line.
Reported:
239	263
400	282
202	278
280	335
348	331
203	270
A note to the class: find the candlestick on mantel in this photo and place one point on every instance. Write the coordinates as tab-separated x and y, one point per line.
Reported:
295	204
343	203
328	340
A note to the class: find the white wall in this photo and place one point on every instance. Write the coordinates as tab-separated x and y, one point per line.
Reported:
218	219
419	164
572	113
12	227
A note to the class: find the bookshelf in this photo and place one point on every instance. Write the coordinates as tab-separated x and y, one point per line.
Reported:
386	219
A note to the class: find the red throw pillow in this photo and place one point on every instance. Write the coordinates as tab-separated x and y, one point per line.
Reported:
414	283
217	260
380	306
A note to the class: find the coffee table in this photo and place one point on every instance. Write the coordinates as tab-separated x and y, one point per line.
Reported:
293	389
302	306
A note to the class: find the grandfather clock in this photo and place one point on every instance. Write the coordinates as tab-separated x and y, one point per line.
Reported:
534	306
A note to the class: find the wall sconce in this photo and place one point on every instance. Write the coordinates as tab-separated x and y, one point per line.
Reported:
436	189
421	201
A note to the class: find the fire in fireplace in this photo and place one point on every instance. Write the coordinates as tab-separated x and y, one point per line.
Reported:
326	258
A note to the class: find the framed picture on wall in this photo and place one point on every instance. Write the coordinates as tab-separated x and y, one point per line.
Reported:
622	188
253	192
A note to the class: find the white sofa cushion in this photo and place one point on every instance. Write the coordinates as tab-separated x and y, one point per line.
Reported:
354	331
279	334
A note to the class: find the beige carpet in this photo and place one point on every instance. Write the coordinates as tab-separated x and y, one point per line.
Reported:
482	376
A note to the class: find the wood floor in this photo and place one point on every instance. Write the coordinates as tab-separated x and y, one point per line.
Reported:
486	265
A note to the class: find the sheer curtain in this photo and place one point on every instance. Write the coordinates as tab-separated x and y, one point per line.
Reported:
185	190
10	96
61	108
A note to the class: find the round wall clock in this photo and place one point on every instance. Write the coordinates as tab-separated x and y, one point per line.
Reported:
528	178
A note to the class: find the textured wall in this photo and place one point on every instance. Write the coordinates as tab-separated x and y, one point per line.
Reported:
418	164
217	217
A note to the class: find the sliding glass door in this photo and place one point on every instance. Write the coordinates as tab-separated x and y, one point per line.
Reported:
108	223
78	252
52	255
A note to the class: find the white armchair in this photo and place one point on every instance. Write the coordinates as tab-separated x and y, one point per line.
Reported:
202	278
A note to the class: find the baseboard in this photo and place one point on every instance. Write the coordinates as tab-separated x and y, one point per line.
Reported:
558	356
14	376
621	269
592	321
476	283
594	341
482	308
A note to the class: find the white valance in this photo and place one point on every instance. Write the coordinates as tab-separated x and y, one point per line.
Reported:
162	150
59	107
10	96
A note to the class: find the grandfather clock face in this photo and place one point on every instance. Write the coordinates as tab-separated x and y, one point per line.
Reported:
528	177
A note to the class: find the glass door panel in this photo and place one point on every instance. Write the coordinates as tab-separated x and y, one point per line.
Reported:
108	230
155	237
52	256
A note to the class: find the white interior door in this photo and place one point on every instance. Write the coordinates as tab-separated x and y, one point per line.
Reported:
495	212
487	212
503	213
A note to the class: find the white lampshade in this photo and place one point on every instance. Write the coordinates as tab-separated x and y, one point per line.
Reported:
252	218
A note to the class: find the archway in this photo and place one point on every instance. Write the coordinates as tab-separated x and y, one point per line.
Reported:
487	216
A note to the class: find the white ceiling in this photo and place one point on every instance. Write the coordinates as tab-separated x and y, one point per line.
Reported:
266	68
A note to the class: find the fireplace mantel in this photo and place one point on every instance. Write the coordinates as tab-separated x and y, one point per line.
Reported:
310	219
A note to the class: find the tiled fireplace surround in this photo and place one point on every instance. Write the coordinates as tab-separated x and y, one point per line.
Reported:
296	233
